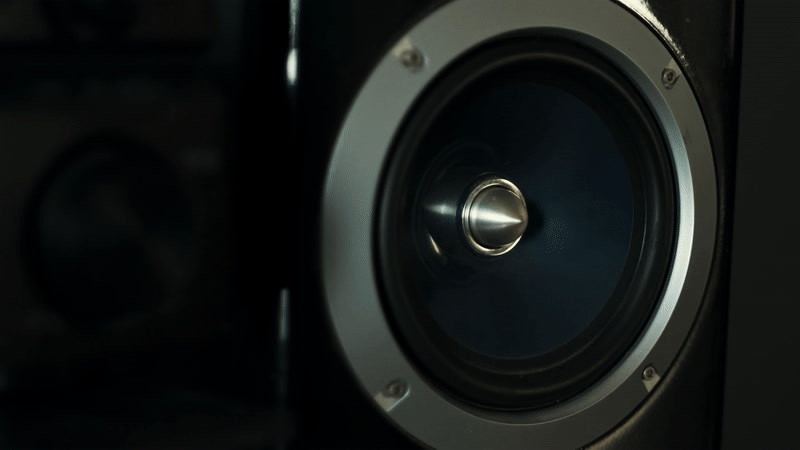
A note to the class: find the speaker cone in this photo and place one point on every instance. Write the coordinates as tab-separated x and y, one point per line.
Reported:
526	223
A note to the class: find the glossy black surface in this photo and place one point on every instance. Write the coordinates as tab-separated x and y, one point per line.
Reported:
707	34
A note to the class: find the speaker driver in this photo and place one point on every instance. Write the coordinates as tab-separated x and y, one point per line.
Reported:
545	281
518	223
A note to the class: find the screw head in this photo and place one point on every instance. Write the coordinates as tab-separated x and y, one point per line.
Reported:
648	373
396	389
669	77
412	59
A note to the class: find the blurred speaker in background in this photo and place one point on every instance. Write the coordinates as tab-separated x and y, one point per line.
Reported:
134	153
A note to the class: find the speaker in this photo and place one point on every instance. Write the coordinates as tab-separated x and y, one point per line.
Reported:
126	189
515	222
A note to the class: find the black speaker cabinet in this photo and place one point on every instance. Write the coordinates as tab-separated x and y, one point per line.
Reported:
515	222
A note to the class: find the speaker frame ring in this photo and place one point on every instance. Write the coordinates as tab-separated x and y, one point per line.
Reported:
351	193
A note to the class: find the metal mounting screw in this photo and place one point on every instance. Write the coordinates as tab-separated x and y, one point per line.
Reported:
669	77
649	373
412	59
396	389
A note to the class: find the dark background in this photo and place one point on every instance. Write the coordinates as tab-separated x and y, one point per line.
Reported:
144	155
763	336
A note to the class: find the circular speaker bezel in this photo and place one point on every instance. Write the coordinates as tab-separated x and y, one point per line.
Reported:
352	186
406	258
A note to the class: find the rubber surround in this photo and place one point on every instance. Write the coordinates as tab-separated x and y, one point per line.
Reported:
526	383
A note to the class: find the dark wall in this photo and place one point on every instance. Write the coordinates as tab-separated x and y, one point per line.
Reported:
763	334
